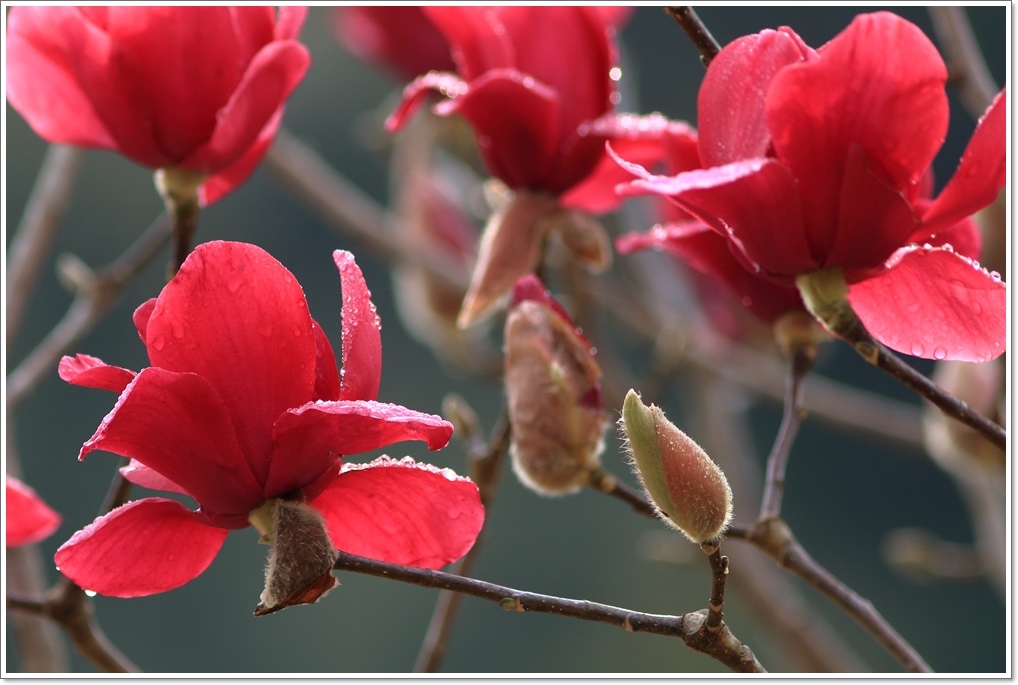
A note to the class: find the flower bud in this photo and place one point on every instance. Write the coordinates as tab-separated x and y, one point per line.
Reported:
554	394
686	487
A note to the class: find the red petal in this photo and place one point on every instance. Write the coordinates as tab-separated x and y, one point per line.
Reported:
270	78
142	315
43	45
981	172
237	318
402	512
478	39
362	338
651	141
226	180
709	253
327	386
290	22
731	100
935	304
754	202
28	519
177	425
878	85
516	120
143	476
142	548
92	372
310	438
449	85
402	39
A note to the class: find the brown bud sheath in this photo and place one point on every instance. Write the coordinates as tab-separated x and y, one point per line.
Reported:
554	394
687	488
300	564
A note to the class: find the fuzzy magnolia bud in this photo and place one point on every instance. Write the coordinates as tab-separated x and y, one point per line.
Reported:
687	488
300	564
554	394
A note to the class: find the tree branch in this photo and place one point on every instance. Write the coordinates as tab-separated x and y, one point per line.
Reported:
705	44
690	627
966	66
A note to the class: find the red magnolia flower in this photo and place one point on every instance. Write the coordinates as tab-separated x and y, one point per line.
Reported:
28	518
536	85
242	404
196	88
815	160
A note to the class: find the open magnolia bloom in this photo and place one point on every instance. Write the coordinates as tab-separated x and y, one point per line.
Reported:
244	411
537	84
27	518
199	90
816	165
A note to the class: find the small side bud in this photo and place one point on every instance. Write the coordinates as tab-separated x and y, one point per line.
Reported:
554	394
687	488
300	563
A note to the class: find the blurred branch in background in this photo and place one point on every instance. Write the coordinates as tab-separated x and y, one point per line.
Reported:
967	70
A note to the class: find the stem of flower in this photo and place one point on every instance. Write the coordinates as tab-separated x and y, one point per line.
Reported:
719	575
774	537
602	481
703	40
689	627
800	363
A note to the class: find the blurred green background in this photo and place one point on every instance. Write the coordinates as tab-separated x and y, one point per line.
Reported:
843	495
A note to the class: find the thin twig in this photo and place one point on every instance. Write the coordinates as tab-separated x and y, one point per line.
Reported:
690	627
485	468
95	295
775	538
966	66
46	205
705	44
800	363
719	575
602	481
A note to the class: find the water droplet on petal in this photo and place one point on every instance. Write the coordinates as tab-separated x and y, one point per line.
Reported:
615	74
177	329
917	350
159	342
940	353
91	593
234	285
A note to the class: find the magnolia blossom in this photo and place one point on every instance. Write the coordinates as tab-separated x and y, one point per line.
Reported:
28	519
537	84
243	405
199	89
818	161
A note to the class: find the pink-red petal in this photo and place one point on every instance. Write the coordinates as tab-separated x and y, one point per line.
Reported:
327	384
142	548
878	85
731	100
402	512
981	172
236	317
935	304
310	438
27	518
141	475
177	425
362	338
92	372
226	180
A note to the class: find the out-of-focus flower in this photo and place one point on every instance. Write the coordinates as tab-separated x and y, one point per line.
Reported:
686	487
400	38
28	519
537	86
243	410
553	386
193	89
814	163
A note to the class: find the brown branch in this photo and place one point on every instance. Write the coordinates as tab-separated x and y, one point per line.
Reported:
46	205
687	18
602	481
95	295
966	66
690	627
774	537
719	576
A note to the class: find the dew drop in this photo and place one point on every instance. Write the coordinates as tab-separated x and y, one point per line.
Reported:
940	353
234	285
996	344
917	350
615	74
159	342
177	329
995	276
747	301
91	593
615	97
